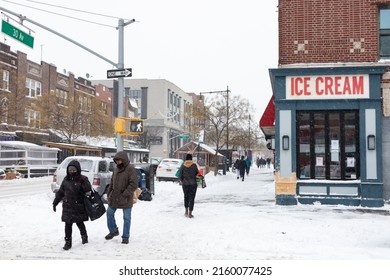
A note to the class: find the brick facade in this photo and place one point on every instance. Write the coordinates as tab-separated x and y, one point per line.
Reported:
332	31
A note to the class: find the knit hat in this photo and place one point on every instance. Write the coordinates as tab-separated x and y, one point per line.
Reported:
188	157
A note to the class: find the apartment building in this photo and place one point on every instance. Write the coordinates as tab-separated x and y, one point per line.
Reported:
165	109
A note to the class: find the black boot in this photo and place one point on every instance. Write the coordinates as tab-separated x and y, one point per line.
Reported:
84	238
68	243
186	212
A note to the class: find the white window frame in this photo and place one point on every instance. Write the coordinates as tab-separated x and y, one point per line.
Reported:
6	80
33	88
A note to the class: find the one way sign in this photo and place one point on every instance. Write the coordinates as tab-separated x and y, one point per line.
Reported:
118	73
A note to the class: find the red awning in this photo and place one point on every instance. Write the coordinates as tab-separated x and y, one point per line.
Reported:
267	121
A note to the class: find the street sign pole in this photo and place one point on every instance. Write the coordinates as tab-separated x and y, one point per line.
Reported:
121	81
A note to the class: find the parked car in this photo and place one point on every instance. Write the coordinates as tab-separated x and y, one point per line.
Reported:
166	170
2	174
97	169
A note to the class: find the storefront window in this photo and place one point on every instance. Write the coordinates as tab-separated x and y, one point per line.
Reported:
327	145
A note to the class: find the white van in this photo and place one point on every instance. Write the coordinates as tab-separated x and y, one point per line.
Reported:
97	169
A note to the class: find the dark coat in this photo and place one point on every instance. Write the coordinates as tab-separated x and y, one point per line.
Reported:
188	173
124	182
242	166
71	192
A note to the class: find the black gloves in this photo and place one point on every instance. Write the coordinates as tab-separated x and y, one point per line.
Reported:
54	207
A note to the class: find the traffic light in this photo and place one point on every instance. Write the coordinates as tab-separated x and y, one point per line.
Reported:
120	125
137	126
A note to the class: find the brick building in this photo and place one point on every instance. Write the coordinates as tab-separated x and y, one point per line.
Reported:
331	98
24	80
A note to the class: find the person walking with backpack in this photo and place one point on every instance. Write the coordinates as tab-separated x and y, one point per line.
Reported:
72	191
187	176
124	182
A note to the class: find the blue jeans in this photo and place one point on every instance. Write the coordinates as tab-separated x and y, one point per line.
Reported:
111	224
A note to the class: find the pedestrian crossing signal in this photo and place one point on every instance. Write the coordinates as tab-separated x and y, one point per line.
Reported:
137	126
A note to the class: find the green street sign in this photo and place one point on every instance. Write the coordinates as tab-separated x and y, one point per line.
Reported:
17	34
184	137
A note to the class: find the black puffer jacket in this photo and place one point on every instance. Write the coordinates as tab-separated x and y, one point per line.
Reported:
188	173
71	193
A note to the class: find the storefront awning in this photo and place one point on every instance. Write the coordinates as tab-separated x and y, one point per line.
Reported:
267	121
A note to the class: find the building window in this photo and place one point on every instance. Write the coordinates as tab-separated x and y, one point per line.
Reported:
384	32
328	145
135	94
33	88
104	108
62	97
32	118
6	80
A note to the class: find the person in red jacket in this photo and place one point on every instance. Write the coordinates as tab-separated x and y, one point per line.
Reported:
187	176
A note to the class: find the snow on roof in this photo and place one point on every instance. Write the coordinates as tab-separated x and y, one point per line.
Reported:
207	148
25	146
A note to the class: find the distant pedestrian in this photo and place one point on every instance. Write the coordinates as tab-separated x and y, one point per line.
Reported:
124	182
242	168
268	162
187	176
236	167
248	164
71	192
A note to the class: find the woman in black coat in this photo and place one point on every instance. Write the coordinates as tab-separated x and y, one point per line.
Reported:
187	176
72	192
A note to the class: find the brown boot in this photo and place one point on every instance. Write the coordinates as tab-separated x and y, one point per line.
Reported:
190	214
186	213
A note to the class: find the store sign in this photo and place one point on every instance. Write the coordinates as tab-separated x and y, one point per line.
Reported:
327	87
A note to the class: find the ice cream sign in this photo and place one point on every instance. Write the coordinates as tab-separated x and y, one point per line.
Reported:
327	87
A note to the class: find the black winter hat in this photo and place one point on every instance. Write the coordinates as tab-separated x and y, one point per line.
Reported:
188	157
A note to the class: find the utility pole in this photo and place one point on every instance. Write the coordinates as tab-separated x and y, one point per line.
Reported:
119	65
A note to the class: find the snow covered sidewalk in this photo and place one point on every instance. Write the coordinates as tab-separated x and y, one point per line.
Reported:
234	220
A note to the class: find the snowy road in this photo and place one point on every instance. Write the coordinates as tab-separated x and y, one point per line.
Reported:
24	187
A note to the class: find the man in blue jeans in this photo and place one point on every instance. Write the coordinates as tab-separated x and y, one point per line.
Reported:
120	193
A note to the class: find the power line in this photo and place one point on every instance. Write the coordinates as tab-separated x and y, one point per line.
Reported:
77	10
50	12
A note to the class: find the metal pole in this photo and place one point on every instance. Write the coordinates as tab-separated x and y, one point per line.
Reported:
227	121
121	80
121	87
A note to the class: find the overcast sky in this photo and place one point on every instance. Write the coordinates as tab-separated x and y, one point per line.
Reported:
199	45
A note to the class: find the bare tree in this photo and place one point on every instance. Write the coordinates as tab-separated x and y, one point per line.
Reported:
217	119
15	102
71	119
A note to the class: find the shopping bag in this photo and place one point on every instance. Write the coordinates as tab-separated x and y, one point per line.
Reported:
137	192
94	205
200	181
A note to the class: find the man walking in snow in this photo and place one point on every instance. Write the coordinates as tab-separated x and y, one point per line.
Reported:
120	194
